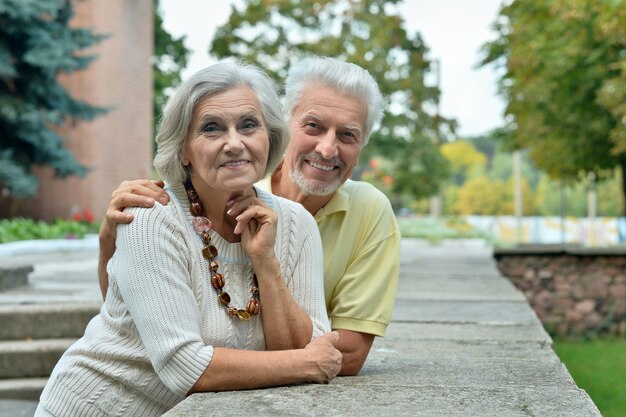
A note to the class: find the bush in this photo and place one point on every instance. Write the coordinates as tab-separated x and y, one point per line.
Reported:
27	229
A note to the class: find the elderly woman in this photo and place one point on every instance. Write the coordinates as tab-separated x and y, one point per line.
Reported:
208	293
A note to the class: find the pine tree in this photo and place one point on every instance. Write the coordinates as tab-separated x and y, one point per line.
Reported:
36	45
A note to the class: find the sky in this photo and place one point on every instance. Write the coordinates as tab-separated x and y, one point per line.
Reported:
453	30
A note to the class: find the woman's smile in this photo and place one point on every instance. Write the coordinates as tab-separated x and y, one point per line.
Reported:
228	145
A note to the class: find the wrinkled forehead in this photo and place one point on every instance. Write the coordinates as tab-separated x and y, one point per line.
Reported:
327	103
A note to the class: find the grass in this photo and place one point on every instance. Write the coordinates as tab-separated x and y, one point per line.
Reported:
599	367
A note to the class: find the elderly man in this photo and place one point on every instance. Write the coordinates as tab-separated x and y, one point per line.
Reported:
332	107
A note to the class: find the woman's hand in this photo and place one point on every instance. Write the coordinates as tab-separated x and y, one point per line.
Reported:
257	225
327	359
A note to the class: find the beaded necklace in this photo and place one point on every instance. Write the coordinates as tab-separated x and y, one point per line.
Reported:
202	226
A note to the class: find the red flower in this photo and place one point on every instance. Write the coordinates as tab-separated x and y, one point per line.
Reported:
88	216
85	216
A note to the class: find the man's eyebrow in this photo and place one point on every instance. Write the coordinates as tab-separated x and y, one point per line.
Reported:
355	128
311	116
352	127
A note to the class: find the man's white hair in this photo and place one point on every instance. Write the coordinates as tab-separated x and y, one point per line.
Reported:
343	76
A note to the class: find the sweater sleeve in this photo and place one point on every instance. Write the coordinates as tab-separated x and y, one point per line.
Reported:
153	273
306	281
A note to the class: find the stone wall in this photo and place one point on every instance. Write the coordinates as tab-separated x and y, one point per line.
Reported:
574	291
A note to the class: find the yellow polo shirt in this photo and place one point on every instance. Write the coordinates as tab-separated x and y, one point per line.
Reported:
361	257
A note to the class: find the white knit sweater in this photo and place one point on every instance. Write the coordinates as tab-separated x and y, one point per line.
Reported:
156	331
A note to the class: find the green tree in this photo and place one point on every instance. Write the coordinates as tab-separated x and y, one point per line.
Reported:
610	202
481	195
555	198
369	33
565	82
464	159
169	59
36	45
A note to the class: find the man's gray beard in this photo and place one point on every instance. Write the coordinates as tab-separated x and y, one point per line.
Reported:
310	187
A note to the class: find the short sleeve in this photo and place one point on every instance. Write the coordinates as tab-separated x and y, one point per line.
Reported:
363	298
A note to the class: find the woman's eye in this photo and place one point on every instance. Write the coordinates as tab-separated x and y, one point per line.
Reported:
249	124
210	127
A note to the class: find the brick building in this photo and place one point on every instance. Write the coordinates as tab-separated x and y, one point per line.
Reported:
117	145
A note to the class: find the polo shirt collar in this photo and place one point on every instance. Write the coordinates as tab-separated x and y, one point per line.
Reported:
339	202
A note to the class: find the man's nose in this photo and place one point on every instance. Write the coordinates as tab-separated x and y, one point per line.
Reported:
327	145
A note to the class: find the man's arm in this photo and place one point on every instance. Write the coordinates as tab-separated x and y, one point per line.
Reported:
354	347
363	288
137	193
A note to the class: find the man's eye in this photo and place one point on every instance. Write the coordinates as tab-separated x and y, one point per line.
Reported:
348	137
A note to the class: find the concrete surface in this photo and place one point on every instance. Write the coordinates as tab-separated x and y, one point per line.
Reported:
462	342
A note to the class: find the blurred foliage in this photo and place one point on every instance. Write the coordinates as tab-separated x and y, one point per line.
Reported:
482	184
437	229
464	159
36	46
370	33
28	229
169	59
564	77
487	196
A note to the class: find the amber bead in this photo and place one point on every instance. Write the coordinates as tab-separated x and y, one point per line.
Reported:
196	208
253	307
192	194
214	266
224	298
209	252
243	315
217	281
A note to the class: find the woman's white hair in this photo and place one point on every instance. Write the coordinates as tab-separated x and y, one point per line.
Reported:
177	114
343	76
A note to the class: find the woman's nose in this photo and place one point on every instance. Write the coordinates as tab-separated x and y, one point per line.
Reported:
234	143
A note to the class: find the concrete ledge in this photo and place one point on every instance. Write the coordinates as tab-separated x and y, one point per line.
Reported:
32	247
462	342
389	399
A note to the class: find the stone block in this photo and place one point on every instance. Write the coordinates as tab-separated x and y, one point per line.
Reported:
14	276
